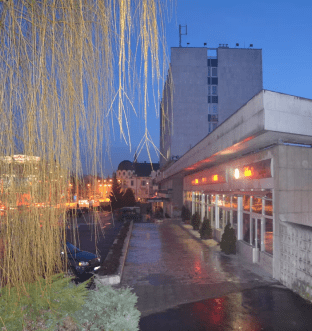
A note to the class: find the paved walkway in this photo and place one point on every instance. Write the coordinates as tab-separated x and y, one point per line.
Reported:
167	266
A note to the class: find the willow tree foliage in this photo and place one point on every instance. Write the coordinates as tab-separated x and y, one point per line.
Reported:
69	70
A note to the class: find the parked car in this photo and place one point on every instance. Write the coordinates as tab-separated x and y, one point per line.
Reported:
80	261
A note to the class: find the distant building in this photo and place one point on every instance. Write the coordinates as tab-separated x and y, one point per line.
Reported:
139	177
202	91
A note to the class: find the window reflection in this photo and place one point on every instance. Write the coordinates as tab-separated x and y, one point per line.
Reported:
268	236
246	227
257	205
268	207
246	202
227	201
234	202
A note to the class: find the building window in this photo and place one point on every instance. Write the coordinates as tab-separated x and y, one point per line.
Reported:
208	71
143	182
124	173
214	90
209	80
246	202
268	236
214	72
214	81
209	89
214	62
209	99
246	227
257	205
214	99
132	183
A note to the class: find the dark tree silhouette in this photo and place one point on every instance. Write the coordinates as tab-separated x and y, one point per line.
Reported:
116	195
128	198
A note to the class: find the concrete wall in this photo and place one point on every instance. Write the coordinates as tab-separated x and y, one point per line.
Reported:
190	98
287	113
239	78
296	258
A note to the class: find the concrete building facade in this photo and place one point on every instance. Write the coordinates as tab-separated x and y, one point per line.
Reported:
201	91
255	171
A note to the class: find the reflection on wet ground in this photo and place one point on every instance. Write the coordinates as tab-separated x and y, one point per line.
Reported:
266	308
168	253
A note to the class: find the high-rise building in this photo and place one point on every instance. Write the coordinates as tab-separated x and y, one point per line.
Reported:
204	87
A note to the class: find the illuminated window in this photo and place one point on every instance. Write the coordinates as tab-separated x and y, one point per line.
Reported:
246	202
215	178
248	171
236	173
196	181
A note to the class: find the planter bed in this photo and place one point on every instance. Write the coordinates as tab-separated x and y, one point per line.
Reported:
111	269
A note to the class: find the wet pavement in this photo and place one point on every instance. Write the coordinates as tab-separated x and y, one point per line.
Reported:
266	308
186	284
166	267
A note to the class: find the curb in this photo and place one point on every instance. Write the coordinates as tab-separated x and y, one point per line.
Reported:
116	278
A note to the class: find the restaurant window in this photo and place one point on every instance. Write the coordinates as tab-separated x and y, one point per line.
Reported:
221	218
213	199
268	207
246	202
246	227
234	219
255	222
227	201
256	205
234	202
268	236
220	200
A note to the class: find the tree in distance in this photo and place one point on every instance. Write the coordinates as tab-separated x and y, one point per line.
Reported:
129	198
116	195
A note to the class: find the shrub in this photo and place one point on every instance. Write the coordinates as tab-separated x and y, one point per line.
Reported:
45	305
228	240
185	214
206	230
195	221
110	309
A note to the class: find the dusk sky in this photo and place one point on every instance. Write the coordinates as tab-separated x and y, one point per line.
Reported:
282	29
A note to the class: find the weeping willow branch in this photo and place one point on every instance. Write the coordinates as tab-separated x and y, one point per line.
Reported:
68	70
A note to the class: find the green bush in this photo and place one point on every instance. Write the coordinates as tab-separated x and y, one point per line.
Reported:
228	240
109	309
185	214
195	221
206	230
43	307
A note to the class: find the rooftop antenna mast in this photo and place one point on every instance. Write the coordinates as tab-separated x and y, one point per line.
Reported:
182	34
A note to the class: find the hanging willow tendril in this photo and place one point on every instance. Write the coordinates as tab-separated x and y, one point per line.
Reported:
69	69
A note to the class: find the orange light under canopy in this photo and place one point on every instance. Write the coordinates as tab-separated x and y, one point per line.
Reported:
248	171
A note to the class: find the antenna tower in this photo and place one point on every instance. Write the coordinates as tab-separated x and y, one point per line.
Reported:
182	34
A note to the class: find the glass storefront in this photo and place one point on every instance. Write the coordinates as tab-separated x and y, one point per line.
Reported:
268	236
256	210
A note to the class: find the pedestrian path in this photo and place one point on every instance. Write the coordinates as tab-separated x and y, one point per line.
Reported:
166	266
